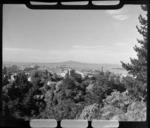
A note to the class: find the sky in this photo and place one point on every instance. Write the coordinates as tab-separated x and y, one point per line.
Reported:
90	36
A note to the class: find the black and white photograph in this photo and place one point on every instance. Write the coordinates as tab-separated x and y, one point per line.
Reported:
75	64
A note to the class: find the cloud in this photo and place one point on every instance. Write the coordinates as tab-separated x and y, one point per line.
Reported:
120	17
118	14
19	50
113	12
81	47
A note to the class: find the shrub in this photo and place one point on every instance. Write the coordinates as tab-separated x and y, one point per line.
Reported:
89	112
136	111
115	105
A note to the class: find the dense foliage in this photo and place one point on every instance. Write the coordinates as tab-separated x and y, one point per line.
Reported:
48	96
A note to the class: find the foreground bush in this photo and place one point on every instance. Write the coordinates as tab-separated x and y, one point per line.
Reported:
136	111
89	112
122	107
117	106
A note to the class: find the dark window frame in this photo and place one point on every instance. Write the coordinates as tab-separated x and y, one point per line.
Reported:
20	123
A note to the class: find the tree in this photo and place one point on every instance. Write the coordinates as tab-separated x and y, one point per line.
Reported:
4	70
23	99
138	67
12	69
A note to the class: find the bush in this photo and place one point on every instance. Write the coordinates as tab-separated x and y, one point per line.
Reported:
115	105
136	111
89	112
123	107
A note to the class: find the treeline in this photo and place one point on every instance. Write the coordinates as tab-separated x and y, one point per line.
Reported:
49	96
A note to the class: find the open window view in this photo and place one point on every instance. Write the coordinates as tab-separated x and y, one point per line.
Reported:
75	64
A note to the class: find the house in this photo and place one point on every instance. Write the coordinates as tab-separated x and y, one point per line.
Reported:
82	74
50	82
90	76
29	78
63	74
32	66
12	77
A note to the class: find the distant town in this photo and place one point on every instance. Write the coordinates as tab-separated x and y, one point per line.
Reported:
62	67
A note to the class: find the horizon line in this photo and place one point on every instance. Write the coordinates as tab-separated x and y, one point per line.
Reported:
58	62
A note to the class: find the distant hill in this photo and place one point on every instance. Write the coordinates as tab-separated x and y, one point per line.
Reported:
116	68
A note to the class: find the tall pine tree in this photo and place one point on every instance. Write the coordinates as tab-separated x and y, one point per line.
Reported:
138	67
